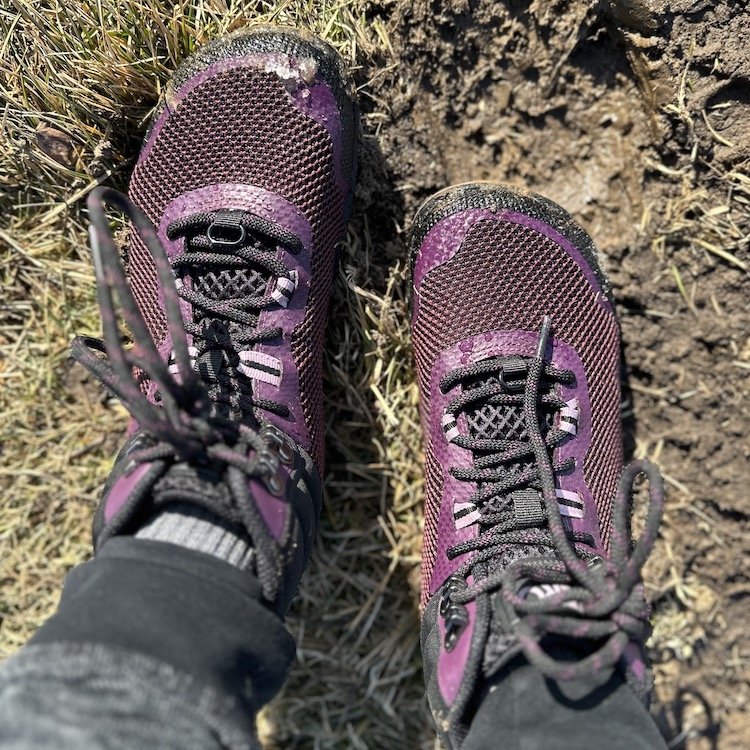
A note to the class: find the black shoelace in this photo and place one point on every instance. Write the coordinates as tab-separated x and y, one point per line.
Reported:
601	599
221	247
182	427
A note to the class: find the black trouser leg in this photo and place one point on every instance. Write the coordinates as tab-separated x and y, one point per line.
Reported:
526	711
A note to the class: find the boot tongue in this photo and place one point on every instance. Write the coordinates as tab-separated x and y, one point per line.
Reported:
489	421
189	482
224	285
209	364
501	645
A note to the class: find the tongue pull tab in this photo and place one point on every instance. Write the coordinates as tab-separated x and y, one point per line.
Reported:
209	364
528	508
513	374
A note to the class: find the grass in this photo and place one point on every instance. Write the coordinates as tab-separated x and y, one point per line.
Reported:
79	82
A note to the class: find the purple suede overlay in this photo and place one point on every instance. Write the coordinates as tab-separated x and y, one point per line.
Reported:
449	455
314	99
443	241
575	446
275	209
318	102
452	664
275	510
288	319
122	489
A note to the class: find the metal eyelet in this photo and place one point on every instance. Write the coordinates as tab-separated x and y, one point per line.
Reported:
273	476
282	449
513	368
456	616
274	484
455	624
445	603
286	456
279	446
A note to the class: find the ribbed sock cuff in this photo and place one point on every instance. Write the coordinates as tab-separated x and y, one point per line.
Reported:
198	529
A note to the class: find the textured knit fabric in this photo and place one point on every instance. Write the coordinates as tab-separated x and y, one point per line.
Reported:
195	528
94	697
531	713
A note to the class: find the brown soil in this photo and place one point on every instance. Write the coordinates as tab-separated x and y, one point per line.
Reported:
637	122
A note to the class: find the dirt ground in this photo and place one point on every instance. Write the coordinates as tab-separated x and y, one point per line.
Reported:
638	122
635	116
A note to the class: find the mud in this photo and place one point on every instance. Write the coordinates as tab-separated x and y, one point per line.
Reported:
634	116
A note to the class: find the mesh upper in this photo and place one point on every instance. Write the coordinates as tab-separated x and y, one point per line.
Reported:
230	283
240	126
494	421
504	277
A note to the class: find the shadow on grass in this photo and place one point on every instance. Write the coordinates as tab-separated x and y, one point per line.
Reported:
358	679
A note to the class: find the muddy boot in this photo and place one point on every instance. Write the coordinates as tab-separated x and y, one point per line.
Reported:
533	609
240	194
239	197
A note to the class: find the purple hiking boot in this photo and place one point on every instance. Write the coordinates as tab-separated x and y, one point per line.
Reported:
240	195
527	547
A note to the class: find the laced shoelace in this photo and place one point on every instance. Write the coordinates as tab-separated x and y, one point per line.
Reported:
220	241
600	599
181	427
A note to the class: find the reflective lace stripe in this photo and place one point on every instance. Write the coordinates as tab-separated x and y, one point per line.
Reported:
284	289
543	590
450	428
569	415
570	503
465	514
261	366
